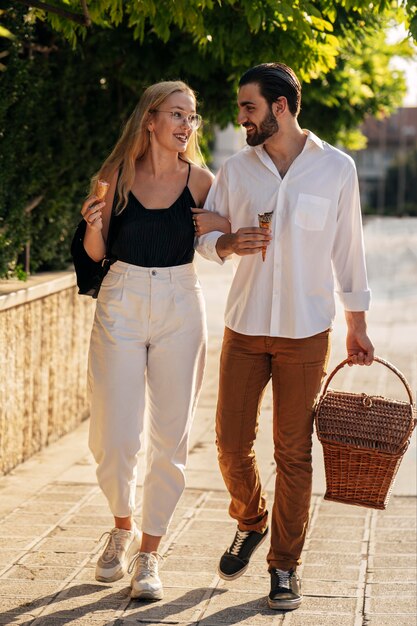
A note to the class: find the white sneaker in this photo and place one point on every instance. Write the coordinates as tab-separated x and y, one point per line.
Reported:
121	546
146	584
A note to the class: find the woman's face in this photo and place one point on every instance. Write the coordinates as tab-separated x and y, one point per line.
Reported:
172	122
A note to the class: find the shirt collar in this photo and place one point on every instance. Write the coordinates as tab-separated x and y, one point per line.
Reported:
312	142
313	138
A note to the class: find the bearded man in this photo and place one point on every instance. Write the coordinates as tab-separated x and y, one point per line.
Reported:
280	311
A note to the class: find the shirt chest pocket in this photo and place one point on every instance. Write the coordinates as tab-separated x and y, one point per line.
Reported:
311	211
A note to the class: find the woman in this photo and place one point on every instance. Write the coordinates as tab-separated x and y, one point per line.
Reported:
148	341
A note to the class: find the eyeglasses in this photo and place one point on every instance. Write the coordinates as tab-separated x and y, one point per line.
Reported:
193	119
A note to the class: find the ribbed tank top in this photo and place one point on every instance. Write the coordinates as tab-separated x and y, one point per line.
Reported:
155	237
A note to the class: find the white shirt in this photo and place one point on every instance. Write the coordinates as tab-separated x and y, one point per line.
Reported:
317	239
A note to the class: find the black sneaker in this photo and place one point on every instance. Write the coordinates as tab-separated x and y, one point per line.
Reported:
235	560
285	590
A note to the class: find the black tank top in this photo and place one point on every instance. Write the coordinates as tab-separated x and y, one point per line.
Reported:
155	237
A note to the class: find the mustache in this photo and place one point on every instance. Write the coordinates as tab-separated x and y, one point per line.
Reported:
246	124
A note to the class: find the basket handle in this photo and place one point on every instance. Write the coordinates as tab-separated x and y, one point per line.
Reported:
378	360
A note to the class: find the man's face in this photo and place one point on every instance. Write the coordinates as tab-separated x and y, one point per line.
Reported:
255	115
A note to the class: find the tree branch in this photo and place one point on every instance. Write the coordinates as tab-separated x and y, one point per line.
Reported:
74	17
86	13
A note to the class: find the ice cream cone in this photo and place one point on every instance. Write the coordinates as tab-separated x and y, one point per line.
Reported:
102	188
264	220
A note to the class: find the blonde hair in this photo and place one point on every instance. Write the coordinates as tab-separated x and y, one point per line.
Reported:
134	141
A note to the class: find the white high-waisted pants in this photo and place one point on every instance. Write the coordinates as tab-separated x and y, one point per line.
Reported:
147	353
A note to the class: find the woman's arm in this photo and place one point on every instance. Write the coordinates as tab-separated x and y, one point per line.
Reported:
207	221
97	216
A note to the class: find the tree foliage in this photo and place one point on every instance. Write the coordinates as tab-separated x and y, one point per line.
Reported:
68	86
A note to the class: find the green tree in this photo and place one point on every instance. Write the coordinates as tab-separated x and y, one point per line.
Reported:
69	86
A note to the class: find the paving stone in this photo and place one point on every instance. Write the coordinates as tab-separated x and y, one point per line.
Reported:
394	547
343	510
400	560
19	517
395	589
212	526
191	552
67	544
186	579
247	582
83	532
35	506
339	521
7	558
227	617
329	605
27	572
91	511
84	593
323	572
330	558
140	611
326	588
243	600
393	535
199	564
336	546
401	575
49	558
15	605
89	620
388	620
26	588
390	521
54	496
391	605
300	618
83	606
218	515
106	521
23	619
20	530
344	533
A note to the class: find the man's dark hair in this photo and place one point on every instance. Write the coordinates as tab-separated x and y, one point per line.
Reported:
275	80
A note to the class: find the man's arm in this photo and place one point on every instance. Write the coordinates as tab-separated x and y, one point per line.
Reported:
359	347
350	270
249	240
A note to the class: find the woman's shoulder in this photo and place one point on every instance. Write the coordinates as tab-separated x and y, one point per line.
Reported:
202	174
200	182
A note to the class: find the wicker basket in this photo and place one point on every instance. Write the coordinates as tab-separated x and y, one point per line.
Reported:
364	439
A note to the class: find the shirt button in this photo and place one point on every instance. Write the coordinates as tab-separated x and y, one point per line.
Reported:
153	272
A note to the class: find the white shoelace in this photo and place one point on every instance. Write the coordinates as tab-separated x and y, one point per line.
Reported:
240	537
147	564
114	543
283	577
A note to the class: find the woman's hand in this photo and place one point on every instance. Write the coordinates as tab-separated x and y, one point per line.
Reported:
91	212
207	221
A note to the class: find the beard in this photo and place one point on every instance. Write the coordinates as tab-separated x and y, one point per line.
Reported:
268	127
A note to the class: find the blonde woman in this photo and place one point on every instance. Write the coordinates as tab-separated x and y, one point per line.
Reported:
148	341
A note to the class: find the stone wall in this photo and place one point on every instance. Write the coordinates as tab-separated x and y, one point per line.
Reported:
44	334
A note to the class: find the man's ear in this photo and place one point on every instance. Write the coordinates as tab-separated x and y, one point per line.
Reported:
279	106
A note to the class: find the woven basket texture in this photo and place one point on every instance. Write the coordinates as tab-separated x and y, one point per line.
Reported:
364	439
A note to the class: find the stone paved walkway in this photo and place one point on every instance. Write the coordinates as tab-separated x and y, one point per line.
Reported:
359	565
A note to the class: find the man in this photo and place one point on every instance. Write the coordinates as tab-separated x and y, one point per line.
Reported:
280	310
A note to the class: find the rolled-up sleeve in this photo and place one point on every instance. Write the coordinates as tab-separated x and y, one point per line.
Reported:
348	255
217	200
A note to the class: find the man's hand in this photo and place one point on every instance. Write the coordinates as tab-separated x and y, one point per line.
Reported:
360	350
248	240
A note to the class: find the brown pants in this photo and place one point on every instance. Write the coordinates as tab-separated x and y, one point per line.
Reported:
297	367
